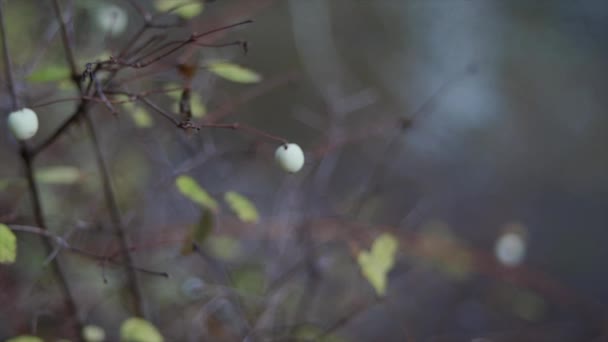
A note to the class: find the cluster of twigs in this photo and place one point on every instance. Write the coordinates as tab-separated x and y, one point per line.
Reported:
95	86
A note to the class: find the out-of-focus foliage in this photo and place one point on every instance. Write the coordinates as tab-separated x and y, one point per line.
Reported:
233	72
242	207
190	188
184	8
8	245
139	330
376	263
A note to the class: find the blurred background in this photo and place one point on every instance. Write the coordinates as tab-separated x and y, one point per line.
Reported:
473	131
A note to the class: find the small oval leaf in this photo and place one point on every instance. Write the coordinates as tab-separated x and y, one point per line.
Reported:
234	73
25	338
186	9
190	188
51	73
58	175
8	245
242	207
139	330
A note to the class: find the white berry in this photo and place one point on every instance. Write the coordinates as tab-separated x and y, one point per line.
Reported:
112	19
290	157
23	123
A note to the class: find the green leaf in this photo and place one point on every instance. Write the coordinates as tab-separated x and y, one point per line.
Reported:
190	188
51	73
249	280
58	175
8	245
199	232
223	247
197	106
311	333
25	338
376	263
139	330
242	207
142	118
186	9
234	73
93	333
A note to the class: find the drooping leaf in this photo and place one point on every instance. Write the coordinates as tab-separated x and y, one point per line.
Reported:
376	263
233	72
190	188
51	73
199	232
8	245
186	9
58	175
25	338
93	333
242	207
139	330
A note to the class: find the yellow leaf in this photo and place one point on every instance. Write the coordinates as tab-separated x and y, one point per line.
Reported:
8	245
139	330
190	188
376	263
234	73
242	207
24	338
184	8
58	175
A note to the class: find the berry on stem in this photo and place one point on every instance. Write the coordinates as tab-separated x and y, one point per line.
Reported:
290	157
23	123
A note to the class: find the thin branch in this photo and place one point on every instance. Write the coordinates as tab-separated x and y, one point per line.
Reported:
133	281
67	45
8	67
65	245
247	128
26	157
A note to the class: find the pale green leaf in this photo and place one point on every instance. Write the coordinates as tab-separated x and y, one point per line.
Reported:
184	8
93	333
190	188
58	175
234	73
51	73
197	106
8	245
242	207
139	330
142	118
223	247
376	263
25	338
249	280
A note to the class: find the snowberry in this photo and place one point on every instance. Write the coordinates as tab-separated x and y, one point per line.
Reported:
290	157
23	123
112	19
